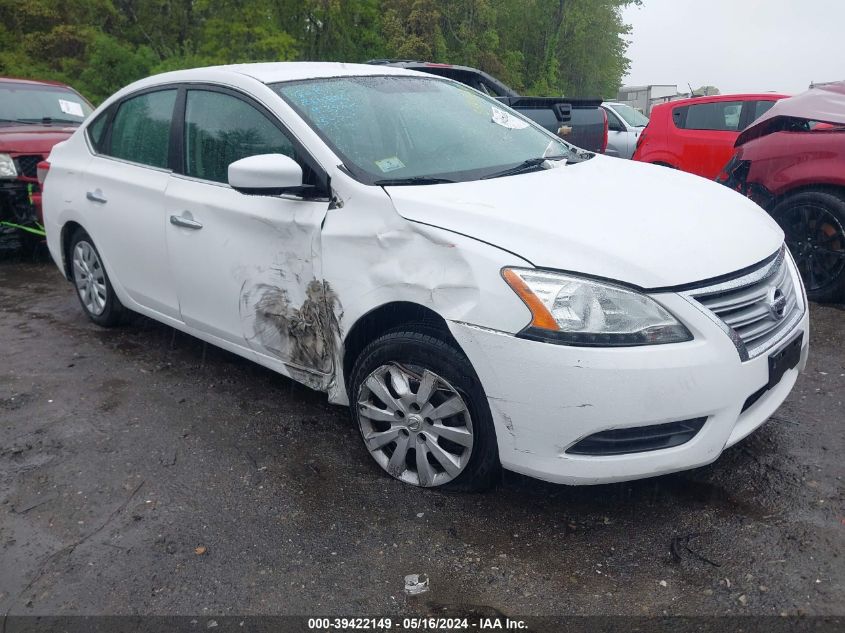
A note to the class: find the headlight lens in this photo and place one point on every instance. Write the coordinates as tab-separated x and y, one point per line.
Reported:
578	311
7	167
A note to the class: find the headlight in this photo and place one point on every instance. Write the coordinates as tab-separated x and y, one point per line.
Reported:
7	167
577	311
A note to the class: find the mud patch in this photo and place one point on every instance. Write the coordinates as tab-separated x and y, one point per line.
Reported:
307	336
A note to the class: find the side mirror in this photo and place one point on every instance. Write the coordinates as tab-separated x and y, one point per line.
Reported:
266	175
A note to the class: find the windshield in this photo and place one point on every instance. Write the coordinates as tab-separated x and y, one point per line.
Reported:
390	129
33	103
632	117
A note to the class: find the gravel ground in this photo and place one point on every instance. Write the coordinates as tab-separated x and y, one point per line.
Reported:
142	472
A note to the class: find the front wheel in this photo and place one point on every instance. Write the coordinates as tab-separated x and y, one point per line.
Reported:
814	224
93	287
422	413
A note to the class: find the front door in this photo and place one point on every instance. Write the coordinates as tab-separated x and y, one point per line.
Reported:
247	267
618	137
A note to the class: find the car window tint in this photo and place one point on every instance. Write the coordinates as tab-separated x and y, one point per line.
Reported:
721	115
613	122
141	129
761	107
220	129
96	131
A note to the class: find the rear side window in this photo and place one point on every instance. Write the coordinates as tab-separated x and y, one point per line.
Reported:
141	129
760	108
220	129
96	131
721	115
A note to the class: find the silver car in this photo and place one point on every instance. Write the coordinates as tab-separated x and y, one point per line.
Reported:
624	125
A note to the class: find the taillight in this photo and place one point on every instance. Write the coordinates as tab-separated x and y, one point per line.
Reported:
604	143
42	168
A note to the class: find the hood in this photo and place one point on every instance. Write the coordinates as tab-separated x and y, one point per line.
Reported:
32	139
824	103
642	224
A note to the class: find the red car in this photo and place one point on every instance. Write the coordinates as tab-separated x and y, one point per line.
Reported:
697	135
792	163
34	116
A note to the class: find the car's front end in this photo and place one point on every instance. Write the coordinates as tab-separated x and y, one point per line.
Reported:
623	320
20	194
34	116
598	414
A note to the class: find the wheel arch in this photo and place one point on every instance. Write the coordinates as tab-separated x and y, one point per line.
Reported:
385	318
68	230
831	188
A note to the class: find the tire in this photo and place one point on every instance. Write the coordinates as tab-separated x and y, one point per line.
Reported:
814	224
424	359
93	288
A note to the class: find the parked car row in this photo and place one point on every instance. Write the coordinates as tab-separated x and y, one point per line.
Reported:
481	293
786	153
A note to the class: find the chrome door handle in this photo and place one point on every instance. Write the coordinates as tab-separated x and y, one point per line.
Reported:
186	223
96	196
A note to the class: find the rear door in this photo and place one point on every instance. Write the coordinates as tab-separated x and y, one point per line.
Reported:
124	197
705	134
247	266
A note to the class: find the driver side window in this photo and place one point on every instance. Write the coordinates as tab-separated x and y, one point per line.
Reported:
221	128
613	122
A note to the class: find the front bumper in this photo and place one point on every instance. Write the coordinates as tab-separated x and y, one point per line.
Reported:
545	397
20	201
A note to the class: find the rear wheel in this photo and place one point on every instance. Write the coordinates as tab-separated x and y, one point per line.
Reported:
422	413
92	283
814	224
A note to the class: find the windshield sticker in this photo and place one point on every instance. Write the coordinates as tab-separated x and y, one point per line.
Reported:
504	119
71	107
389	164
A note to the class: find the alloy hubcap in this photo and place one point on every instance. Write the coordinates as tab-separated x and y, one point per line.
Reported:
415	424
89	277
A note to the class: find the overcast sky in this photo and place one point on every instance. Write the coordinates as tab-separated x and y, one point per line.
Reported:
736	45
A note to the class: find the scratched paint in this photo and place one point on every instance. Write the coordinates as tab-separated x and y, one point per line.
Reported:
306	335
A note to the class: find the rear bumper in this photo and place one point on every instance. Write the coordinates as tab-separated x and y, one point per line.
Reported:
545	398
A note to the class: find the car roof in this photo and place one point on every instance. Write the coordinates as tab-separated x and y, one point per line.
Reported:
750	96
273	72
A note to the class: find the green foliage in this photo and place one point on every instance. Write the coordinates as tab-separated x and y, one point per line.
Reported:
543	47
705	91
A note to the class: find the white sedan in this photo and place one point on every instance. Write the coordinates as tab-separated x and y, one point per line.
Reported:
481	293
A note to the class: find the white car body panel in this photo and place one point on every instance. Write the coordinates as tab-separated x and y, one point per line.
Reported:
594	230
283	281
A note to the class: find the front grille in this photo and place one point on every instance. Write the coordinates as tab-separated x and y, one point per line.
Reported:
758	308
638	439
28	165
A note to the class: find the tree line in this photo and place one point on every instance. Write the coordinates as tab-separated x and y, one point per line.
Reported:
541	47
